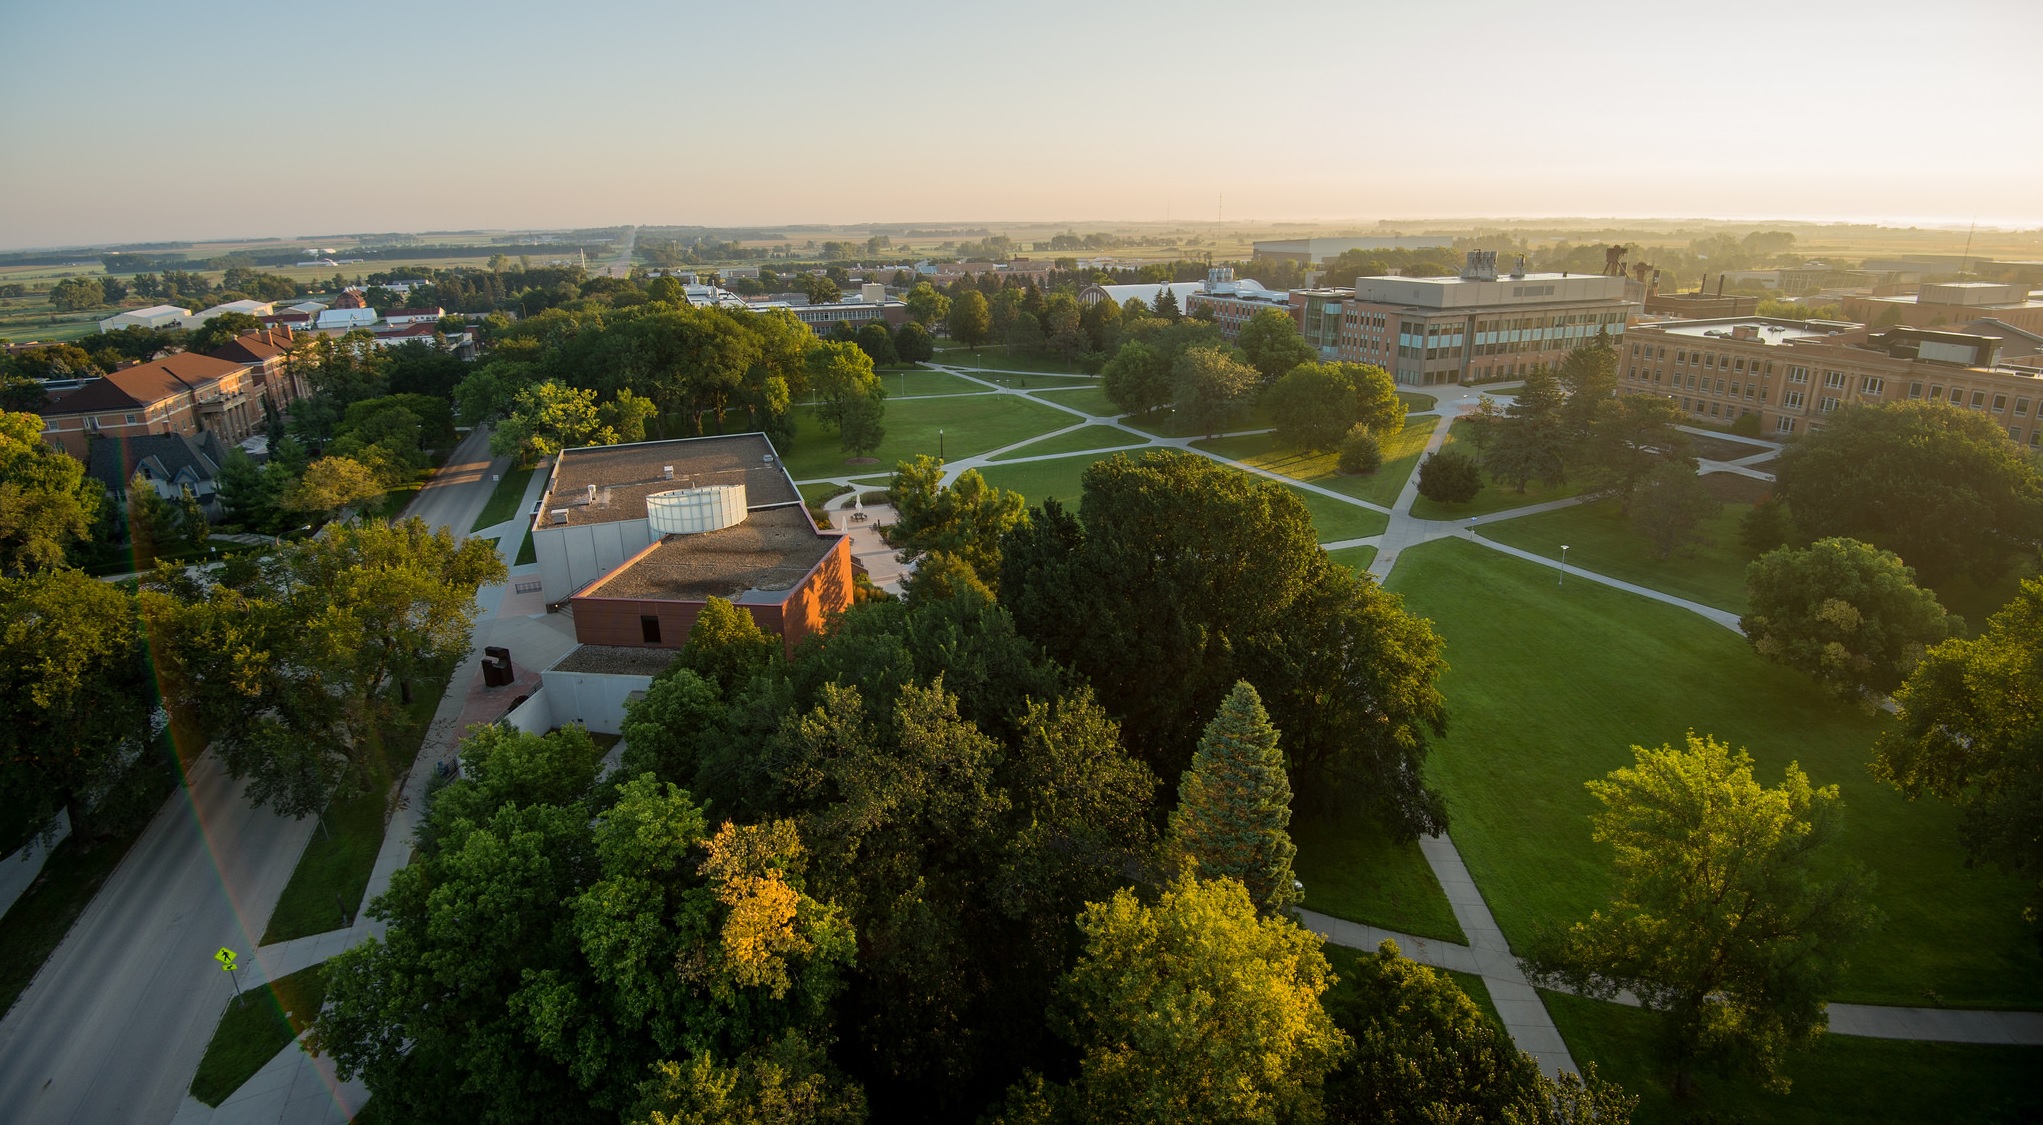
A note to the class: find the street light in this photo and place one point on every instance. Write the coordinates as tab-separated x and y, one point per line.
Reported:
1563	579
1471	528
939	445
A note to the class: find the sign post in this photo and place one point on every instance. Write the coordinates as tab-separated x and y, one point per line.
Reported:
226	959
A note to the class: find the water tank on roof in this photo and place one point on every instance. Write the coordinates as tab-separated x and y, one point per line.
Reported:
692	511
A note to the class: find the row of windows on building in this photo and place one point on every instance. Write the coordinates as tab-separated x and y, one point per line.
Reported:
1708	361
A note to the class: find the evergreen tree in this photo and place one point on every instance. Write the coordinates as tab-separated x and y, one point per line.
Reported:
1166	303
1234	804
1532	439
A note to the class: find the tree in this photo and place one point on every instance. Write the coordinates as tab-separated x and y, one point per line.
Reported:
1969	730
1672	504
1313	404
220	330
331	484
76	677
1628	438
291	673
626	415
964	520
727	648
1100	322
1166	305
820	290
1234	805
1424	1052
1589	376
971	322
252	494
841	375
1210	388
1846	612
788	1082
860	424
1721	920
75	293
1377	404
913	343
1766	526
46	502
1449	477
1269	341
1942	487
877	342
152	521
1532	439
547	418
1136	379
927	306
1195	1009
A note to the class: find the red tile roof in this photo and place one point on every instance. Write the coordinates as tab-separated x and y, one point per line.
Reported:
147	383
255	347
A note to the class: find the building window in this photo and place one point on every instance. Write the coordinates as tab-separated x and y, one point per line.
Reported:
2015	434
2021	408
1784	425
1828	405
1915	390
1798	374
649	628
1872	384
131	419
1957	396
2000	403
1833	380
1978	400
1792	400
1710	362
1936	392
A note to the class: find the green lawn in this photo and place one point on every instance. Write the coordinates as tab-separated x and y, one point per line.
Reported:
1356	559
528	552
815	492
1166	423
251	1032
1352	869
1599	539
333	873
1844	1078
1043	480
1549	687
1338	519
970	424
996	358
1400	456
503	499
1092	400
1082	440
905	381
1416	401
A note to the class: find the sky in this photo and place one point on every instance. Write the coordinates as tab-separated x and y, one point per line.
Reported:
136	122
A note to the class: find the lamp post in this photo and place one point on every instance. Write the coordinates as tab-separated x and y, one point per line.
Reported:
1471	528
939	445
1563	579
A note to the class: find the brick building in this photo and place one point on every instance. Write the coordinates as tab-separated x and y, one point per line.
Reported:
179	394
636	538
1950	302
1792	373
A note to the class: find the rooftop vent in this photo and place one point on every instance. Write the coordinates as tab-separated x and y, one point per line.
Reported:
1480	265
560	515
667	471
592	495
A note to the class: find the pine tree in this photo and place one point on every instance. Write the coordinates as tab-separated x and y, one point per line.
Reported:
1234	803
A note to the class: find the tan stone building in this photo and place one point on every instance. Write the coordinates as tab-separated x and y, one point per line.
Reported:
1944	303
1793	373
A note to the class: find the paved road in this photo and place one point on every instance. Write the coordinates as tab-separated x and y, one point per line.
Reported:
457	493
115	1025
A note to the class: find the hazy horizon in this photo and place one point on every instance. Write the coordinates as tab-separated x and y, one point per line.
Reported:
518	116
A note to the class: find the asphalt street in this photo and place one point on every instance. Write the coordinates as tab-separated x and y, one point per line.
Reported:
114	1026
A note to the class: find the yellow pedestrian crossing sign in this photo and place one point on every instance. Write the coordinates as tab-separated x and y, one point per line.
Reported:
226	959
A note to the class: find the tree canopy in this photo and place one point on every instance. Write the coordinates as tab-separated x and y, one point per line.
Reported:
1728	918
1234	804
1940	486
46	502
1846	612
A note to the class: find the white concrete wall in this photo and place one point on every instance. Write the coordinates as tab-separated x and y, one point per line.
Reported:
534	716
571	557
595	700
19	870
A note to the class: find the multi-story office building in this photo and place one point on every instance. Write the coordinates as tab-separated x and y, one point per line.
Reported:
1793	373
1233	302
1951	302
1477	326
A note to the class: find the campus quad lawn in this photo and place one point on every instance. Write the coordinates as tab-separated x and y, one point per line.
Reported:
1037	481
915	381
971	424
1844	1078
253	1030
1166	423
1352	869
997	359
1549	687
1495	496
1092	400
1356	559
1599	539
1416	401
1082	440
1400	457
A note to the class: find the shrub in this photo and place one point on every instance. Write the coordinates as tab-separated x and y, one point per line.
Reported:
1361	452
1448	477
